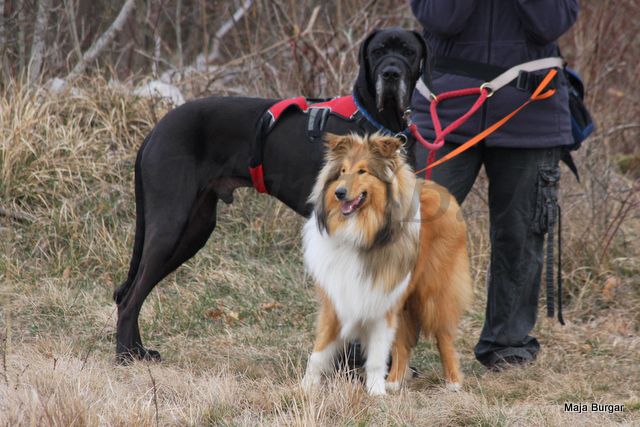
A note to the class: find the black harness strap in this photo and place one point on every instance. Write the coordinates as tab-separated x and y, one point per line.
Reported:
262	128
316	123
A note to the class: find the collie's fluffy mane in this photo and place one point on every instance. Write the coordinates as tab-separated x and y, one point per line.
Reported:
384	232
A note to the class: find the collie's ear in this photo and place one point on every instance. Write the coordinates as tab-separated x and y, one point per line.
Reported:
385	146
338	143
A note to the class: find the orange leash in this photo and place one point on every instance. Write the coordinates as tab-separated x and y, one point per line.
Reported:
536	96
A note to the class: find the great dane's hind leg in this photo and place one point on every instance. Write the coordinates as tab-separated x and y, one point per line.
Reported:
178	233
122	290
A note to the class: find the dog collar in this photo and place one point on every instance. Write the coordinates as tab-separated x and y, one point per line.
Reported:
381	128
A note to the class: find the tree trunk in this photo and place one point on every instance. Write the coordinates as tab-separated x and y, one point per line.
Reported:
2	37
22	49
4	67
38	45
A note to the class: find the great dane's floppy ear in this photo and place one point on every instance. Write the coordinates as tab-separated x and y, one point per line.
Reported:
363	57
426	61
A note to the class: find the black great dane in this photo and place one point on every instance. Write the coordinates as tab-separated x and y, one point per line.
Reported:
200	152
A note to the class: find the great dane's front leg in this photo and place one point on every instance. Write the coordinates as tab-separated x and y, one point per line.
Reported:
378	340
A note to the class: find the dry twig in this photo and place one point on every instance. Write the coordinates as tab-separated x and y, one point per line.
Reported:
103	41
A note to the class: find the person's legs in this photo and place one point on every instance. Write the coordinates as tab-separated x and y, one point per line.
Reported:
456	175
521	183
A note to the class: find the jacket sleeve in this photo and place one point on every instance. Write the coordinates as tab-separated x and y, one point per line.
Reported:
546	20
444	18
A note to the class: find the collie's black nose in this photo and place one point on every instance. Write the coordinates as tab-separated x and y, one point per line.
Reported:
341	193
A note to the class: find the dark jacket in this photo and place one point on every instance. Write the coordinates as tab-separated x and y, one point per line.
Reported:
502	33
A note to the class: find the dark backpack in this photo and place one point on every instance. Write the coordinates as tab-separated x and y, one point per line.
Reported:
581	122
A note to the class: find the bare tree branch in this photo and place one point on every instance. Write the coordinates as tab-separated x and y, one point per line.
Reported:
179	33
38	45
71	17
201	64
103	41
226	27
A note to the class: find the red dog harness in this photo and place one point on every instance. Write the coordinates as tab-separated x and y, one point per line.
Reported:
344	107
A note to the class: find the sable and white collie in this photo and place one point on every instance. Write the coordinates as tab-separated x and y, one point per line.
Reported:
388	253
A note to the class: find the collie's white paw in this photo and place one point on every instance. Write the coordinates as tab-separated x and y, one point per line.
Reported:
456	387
392	387
310	382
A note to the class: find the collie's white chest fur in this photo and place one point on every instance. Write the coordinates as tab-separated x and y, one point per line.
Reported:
335	264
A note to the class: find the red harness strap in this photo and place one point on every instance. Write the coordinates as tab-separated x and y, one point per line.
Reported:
257	178
278	108
343	106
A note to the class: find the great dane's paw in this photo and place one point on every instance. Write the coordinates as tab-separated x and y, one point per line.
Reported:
124	358
138	353
455	387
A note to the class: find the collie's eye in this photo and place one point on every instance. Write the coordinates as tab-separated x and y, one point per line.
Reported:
361	171
343	170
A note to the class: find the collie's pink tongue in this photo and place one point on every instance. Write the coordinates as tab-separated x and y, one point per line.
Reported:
350	206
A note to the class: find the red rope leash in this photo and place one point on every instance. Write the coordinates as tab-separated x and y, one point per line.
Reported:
537	95
483	94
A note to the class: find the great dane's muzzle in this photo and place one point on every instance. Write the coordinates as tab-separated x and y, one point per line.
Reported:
392	74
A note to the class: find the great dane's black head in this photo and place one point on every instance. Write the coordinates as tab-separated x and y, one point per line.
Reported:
391	61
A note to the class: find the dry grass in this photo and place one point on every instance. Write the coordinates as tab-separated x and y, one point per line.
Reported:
235	323
231	356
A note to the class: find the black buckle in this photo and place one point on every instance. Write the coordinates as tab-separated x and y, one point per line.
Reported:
528	82
523	82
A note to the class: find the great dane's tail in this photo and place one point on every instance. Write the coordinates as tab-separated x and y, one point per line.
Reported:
121	291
